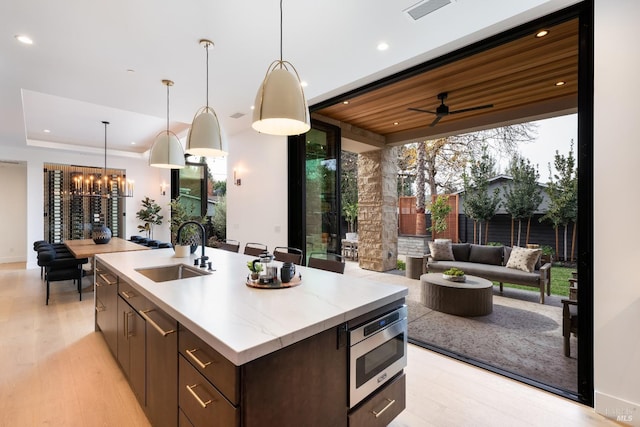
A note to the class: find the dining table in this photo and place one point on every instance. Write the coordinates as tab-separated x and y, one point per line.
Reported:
87	248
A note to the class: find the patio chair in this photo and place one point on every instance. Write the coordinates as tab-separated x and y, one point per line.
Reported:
287	254
570	315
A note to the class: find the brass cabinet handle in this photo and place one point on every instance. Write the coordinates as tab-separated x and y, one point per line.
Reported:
195	359
193	393
127	294
157	327
391	402
100	306
104	277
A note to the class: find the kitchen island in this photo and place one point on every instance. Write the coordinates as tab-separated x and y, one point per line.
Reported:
282	352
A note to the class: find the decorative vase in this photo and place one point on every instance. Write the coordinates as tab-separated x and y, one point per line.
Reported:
182	251
101	234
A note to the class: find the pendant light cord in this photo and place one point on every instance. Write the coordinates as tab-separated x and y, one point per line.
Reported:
206	47
280	30
167	108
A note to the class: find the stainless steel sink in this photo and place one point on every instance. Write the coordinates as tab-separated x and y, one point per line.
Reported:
166	273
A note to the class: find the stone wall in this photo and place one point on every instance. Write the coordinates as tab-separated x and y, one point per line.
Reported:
415	246
377	213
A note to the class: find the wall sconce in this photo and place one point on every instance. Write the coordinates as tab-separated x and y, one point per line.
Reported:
236	180
163	188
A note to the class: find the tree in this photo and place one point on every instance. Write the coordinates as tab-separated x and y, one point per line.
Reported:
439	211
421	162
149	215
523	196
406	168
479	204
350	211
446	158
219	219
562	189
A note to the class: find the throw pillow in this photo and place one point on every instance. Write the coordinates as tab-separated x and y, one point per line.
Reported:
483	254
460	251
441	251
523	259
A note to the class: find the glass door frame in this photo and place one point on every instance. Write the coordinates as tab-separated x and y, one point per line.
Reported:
297	188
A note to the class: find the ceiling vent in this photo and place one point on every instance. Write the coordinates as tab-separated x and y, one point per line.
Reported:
423	8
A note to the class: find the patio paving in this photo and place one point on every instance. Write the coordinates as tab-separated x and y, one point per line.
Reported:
520	336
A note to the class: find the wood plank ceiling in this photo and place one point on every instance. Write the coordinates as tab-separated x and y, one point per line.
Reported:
518	78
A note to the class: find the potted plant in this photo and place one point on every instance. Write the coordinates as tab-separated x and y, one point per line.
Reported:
351	215
454	274
190	232
149	215
255	270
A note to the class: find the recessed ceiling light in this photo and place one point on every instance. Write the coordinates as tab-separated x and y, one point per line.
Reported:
561	83
383	46
46	131
133	143
130	70
396	123
542	33
253	107
23	39
345	102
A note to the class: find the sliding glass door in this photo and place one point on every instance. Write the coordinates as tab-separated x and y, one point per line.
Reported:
314	190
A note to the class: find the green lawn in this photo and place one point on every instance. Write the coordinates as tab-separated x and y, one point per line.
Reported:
559	281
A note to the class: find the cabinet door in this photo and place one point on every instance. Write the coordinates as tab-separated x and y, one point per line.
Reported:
162	367
131	348
304	384
106	289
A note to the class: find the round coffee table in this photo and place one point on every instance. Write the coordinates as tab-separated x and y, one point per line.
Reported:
473	297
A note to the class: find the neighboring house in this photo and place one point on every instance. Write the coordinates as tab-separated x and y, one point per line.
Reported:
501	182
541	233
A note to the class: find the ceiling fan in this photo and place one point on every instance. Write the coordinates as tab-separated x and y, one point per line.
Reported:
443	110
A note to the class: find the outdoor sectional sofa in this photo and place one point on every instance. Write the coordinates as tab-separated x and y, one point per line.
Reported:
489	262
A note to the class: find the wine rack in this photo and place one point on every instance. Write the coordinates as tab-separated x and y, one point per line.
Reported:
69	215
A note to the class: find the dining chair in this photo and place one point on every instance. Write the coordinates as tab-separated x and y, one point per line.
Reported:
228	245
254	249
288	254
326	261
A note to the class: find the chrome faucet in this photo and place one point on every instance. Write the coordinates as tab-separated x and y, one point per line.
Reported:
203	240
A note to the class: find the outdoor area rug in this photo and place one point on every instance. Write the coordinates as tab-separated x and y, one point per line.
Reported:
520	336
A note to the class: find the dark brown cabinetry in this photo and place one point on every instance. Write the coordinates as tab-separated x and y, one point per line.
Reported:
131	351
106	288
382	407
159	333
302	384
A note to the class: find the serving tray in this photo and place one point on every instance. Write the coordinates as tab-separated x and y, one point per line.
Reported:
295	281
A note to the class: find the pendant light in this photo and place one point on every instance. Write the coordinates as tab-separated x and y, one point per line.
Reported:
204	137
280	106
167	150
103	187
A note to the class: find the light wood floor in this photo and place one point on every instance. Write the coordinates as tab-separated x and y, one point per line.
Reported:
55	370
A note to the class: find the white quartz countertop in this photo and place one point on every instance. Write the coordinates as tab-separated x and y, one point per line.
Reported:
245	323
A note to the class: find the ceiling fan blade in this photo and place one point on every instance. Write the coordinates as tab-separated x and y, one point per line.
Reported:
435	121
422	111
464	110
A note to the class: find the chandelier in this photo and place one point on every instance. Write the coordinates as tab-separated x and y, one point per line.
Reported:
106	185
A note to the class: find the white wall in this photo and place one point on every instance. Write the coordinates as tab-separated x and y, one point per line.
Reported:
616	176
257	209
13	221
147	182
